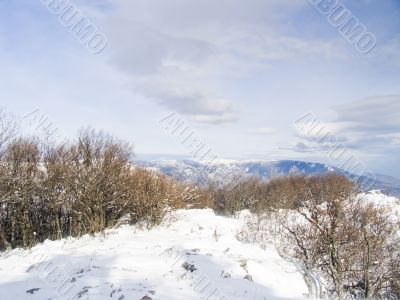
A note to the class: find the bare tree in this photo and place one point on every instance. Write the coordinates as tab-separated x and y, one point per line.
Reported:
20	170
8	129
58	190
337	234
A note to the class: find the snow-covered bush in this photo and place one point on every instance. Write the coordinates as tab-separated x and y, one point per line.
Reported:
344	245
255	195
51	191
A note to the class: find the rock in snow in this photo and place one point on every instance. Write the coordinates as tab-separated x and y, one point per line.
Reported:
130	263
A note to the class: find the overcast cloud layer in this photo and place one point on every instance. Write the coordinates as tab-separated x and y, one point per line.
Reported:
239	72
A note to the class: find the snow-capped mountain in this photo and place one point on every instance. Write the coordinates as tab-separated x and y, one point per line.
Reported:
201	174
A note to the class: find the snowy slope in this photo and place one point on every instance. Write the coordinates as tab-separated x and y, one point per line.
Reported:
378	199
130	263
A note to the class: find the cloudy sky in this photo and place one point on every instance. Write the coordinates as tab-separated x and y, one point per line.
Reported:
240	73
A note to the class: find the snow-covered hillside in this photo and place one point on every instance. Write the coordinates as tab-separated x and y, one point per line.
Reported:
202	173
192	255
227	171
381	200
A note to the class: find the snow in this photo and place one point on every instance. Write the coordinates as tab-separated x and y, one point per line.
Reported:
377	198
381	200
130	263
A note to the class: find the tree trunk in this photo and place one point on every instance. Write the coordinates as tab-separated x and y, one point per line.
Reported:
367	292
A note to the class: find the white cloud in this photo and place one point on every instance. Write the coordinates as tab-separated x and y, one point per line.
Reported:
371	124
263	131
179	52
381	112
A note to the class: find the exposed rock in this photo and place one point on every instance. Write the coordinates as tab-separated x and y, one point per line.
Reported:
32	291
189	267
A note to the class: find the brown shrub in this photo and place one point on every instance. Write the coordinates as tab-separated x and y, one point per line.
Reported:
51	191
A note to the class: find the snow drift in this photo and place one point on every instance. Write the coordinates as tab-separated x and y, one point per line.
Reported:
194	254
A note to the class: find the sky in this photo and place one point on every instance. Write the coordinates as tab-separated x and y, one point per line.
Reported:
238	73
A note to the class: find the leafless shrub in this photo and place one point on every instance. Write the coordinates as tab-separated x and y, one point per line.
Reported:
257	195
338	240
20	189
343	246
51	191
8	129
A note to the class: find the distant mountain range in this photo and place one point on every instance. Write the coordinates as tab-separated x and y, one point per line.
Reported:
228	171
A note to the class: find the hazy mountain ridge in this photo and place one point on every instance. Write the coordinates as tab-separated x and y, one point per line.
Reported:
201	174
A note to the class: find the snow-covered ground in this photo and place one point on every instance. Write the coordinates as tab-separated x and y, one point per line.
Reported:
193	255
383	201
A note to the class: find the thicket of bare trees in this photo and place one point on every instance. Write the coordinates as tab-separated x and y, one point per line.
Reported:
351	243
344	246
257	195
51	191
